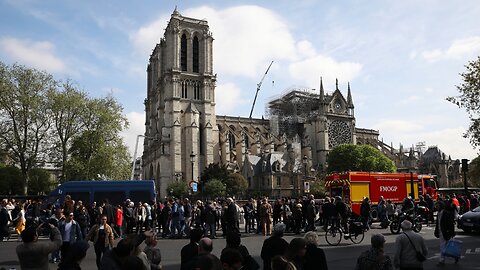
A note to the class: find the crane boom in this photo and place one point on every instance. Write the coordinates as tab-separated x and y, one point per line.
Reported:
258	89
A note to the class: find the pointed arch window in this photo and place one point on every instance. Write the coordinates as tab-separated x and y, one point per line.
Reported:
184	90
183	53
231	141
195	55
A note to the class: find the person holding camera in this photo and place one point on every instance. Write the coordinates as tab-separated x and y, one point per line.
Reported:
33	254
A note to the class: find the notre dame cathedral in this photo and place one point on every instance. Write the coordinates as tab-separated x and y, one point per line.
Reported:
278	155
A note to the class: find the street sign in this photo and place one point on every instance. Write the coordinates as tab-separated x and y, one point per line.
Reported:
306	186
194	187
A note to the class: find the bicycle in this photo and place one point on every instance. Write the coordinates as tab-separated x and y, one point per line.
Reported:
335	233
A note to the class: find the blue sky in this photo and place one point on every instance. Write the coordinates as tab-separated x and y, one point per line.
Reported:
402	58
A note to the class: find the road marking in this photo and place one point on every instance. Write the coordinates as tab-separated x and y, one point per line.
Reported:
473	251
437	255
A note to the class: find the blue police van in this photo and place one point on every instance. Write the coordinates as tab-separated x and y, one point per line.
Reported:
96	191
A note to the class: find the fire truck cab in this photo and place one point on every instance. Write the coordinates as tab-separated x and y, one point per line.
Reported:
353	187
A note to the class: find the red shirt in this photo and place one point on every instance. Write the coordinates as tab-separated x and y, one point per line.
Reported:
119	218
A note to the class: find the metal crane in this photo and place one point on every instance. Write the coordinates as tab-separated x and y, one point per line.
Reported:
258	89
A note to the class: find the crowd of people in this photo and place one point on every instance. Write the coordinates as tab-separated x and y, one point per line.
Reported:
72	225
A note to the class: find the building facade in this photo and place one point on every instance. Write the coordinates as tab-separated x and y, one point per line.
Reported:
278	155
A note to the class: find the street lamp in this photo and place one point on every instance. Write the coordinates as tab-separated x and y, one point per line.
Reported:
192	160
305	162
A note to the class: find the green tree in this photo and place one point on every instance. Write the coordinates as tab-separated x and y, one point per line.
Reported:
473	175
178	189
236	185
39	182
469	99
11	180
214	171
350	157
94	158
67	109
317	188
214	188
24	124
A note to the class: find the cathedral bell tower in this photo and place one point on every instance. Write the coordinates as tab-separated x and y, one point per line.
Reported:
181	133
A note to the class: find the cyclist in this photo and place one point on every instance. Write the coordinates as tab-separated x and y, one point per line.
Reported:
342	212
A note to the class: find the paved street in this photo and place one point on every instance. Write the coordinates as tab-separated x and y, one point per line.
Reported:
341	257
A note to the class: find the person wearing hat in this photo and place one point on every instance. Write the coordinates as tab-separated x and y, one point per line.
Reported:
409	247
374	258
274	245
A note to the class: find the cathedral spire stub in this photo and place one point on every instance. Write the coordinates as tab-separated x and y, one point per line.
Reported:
349	97
175	12
322	92
336	83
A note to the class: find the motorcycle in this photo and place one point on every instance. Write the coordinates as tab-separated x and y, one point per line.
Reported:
400	216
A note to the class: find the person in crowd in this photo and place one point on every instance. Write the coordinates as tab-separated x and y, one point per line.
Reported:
408	246
314	256
341	210
118	257
94	214
329	212
148	216
408	205
176	218
68	204
231	217
5	219
390	208
444	226
375	258
101	235
281	263
56	219
140	215
76	253
119	220
70	231
430	206
265	214
129	218
234	242
137	252
209	216
187	213
231	259
33	254
296	252
205	260
166	218
277	211
153	253
190	250
83	220
297	216
474	201
365	213
109	211
382	209
274	245
310	215
248	214
20	221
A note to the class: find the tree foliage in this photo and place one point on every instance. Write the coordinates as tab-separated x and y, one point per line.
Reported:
11	180
469	99
350	157
178	189
39	182
236	185
214	188
214	171
43	120
317	188
473	175
24	124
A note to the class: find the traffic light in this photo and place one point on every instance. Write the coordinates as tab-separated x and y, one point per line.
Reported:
465	165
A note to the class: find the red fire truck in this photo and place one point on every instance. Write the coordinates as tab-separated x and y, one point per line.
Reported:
354	186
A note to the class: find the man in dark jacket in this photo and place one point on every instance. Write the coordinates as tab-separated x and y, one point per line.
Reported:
365	213
274	245
109	211
190	250
231	216
4	219
444	227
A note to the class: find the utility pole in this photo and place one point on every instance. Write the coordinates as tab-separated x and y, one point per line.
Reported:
258	89
135	156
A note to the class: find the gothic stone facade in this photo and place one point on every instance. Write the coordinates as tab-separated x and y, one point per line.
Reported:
183	134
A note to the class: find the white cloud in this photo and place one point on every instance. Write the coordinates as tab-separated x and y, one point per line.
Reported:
410	99
459	48
136	127
310	69
145	38
228	98
392	127
39	54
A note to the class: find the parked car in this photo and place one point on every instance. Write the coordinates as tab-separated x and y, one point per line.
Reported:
470	221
